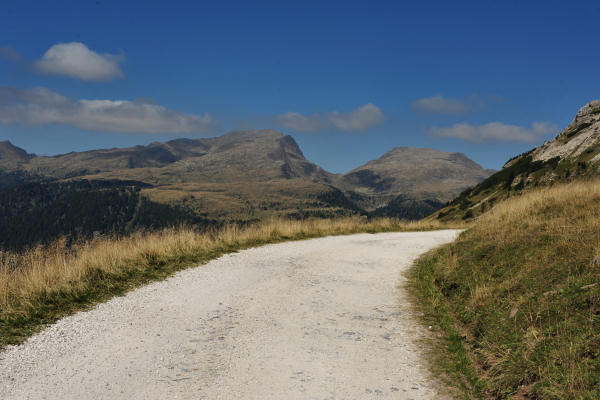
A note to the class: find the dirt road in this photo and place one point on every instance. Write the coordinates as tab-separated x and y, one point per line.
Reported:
316	319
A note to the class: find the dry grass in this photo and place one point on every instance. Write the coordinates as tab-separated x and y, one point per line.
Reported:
43	284
522	286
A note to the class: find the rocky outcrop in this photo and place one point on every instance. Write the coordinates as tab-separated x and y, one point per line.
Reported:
12	157
581	136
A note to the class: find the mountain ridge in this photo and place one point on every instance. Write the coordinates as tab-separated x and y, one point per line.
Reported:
258	172
10	153
402	172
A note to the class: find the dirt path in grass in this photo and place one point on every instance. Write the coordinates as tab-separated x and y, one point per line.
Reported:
316	319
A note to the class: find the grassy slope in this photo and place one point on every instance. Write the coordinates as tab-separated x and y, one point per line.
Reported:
577	145
46	283
517	297
520	177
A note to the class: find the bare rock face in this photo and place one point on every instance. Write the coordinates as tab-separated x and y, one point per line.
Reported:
11	157
578	138
589	110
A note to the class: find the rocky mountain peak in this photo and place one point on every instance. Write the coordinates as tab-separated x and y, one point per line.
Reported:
254	134
591	108
290	145
581	137
587	114
424	155
415	173
10	152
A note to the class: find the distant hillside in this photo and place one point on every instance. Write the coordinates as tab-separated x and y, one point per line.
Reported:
407	208
574	154
40	212
425	178
250	175
241	175
240	155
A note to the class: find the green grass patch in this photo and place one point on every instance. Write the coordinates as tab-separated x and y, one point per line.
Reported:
450	356
517	298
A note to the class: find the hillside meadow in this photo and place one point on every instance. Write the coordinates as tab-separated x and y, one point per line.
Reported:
42	284
516	298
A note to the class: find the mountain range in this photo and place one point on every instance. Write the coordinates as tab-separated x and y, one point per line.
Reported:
247	175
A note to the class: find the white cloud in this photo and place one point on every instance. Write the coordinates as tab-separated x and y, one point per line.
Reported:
358	120
495	131
75	60
438	104
42	106
301	123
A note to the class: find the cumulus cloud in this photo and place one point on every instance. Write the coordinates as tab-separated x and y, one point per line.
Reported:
439	104
358	120
301	123
76	60
495	131
42	106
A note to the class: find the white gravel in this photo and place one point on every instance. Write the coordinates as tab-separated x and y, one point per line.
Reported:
317	319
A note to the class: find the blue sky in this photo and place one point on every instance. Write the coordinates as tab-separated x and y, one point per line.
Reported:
349	80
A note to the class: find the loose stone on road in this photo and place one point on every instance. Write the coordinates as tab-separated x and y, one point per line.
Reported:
316	319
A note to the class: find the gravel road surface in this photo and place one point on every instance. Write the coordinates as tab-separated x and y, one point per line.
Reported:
317	319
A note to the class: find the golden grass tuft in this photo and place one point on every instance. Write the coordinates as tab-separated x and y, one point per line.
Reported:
45	283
